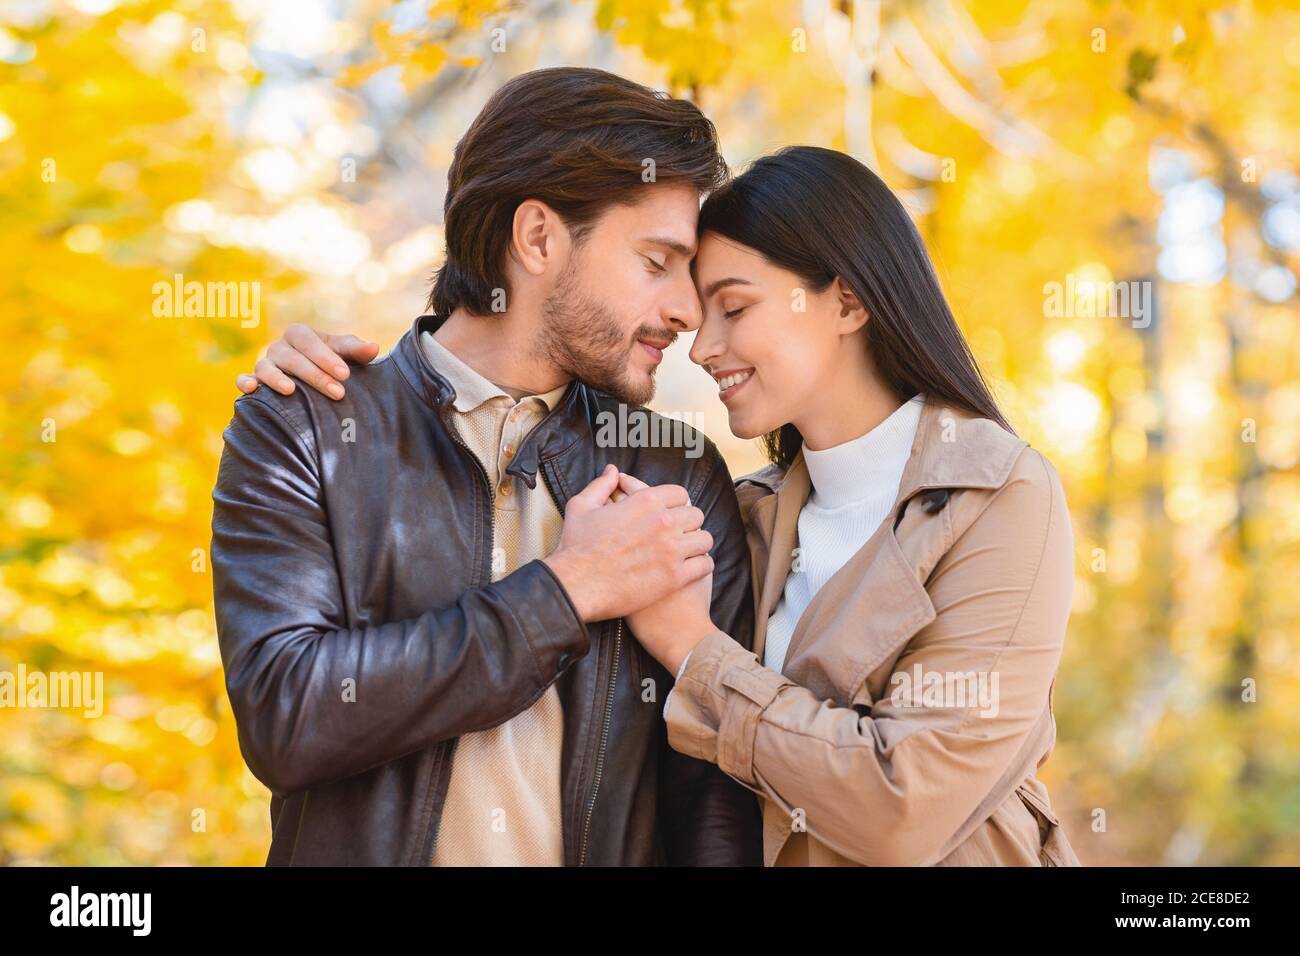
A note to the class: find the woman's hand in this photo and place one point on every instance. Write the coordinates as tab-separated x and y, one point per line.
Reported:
316	358
670	628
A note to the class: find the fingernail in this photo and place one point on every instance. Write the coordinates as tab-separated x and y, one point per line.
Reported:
340	370
335	390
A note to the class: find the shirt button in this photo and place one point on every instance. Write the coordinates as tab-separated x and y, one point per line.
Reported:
508	452
505	488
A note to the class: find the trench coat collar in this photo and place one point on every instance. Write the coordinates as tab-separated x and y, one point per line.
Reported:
956	449
953	449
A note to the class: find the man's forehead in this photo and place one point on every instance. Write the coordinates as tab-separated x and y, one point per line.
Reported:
664	215
680	245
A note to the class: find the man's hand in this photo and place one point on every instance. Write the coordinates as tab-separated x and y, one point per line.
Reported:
616	557
318	359
671	627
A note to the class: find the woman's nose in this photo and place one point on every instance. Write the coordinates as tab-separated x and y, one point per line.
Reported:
707	344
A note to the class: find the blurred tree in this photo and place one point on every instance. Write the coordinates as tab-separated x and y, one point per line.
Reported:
110	428
1103	149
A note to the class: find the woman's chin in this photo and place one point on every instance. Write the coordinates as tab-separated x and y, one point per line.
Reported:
743	426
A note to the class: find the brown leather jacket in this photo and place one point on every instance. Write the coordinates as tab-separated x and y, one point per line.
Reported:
361	632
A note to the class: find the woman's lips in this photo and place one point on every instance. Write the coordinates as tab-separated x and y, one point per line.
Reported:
728	393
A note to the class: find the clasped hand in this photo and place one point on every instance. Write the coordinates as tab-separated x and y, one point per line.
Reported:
641	552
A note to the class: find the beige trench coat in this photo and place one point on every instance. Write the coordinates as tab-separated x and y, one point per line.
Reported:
916	700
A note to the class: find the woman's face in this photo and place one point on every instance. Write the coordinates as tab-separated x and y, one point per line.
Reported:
771	343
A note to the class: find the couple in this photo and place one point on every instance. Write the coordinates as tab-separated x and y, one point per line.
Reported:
458	631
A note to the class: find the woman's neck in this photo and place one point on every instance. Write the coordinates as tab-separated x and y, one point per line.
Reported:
852	401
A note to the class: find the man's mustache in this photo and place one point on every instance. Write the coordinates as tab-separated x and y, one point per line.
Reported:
659	338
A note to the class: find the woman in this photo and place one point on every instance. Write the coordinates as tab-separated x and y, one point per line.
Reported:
913	558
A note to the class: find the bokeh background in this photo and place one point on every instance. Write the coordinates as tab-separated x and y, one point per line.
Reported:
302	145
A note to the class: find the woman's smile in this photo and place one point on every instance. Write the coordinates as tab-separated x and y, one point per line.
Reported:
731	381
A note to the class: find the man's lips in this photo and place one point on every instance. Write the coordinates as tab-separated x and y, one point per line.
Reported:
655	347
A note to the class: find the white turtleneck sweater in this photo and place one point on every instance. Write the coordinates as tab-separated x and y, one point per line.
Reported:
853	487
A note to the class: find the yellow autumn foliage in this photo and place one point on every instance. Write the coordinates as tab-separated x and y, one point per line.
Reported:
283	152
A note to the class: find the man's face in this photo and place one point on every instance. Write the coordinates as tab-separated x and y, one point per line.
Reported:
625	294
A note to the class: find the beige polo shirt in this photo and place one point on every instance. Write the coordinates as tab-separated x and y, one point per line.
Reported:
503	801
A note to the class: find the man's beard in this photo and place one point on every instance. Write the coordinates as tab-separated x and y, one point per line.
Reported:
586	340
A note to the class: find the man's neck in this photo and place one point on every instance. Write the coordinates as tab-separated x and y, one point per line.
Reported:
499	347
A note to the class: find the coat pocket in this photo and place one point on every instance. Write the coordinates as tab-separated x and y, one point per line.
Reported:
1054	848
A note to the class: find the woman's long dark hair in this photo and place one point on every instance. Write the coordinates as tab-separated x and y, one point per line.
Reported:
820	214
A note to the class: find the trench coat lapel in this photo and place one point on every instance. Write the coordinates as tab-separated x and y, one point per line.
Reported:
875	595
776	519
879	595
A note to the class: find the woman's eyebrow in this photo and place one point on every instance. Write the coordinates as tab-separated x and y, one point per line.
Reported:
720	284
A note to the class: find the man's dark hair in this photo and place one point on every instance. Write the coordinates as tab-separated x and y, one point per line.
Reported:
576	139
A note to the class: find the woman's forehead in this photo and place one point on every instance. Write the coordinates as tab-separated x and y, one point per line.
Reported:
718	254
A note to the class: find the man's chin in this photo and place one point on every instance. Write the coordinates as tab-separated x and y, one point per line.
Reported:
628	383
634	387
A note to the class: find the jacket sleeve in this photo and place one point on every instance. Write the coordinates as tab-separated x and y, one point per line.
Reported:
706	818
891	782
315	699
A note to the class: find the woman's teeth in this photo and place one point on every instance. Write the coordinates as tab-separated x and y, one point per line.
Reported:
730	380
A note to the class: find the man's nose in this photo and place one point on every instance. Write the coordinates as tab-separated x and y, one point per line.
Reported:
685	312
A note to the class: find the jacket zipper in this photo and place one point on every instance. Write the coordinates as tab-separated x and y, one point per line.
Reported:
604	739
618	646
609	704
487	484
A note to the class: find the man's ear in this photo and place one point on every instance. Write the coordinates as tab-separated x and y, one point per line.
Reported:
537	237
853	314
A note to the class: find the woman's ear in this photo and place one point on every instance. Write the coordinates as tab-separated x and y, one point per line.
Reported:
853	314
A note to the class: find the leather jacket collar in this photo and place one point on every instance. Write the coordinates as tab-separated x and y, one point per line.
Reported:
569	422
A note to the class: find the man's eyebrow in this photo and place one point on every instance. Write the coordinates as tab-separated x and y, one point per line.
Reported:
673	244
721	284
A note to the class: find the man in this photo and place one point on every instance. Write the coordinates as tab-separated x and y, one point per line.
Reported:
420	587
